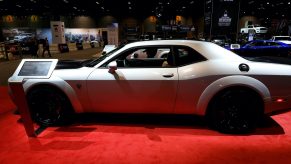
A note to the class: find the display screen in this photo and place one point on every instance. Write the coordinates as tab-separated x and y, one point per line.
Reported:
35	68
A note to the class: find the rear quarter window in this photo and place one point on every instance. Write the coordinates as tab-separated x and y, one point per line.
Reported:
186	55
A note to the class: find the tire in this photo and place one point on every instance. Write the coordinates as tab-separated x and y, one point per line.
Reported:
49	106
235	111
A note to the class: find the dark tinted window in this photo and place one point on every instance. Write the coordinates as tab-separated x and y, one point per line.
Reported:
186	55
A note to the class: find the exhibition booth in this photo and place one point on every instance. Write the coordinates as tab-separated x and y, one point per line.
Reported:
19	40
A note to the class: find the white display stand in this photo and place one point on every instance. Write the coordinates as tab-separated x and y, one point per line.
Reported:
29	68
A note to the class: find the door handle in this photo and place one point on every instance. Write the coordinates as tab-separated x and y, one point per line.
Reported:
168	75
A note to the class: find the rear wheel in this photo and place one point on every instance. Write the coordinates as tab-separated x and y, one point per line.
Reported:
235	111
49	106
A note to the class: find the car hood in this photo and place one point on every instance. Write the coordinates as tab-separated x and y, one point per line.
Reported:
71	64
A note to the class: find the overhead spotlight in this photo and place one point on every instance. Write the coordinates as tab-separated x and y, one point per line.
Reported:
66	1
97	3
129	2
251	2
18	6
192	2
75	8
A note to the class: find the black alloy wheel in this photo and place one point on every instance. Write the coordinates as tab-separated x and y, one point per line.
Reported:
235	111
49	106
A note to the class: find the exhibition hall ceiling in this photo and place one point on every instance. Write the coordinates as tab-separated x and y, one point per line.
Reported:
139	8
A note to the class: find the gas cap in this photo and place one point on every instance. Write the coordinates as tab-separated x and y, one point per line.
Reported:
244	67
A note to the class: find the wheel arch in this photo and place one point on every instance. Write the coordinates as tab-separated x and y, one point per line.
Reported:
229	82
62	86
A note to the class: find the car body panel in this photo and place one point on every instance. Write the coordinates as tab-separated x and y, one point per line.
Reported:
133	90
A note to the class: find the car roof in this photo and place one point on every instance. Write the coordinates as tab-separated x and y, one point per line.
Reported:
207	49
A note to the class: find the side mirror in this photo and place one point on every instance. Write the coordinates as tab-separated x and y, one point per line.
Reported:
112	67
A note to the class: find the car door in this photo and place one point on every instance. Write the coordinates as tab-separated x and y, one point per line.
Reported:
269	49
191	86
139	85
254	49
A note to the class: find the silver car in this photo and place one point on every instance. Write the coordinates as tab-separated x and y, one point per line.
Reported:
194	77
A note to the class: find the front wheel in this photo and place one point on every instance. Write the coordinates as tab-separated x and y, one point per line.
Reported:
49	106
234	111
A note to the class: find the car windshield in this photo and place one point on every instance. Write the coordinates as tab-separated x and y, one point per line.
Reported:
102	57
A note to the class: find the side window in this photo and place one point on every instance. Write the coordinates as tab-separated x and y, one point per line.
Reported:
186	55
143	57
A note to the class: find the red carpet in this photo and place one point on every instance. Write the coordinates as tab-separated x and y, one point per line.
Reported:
127	139
5	103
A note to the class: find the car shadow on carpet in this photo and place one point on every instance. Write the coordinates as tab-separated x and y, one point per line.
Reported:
168	124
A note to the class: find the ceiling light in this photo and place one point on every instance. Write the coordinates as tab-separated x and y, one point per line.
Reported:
268	3
97	3
75	8
251	2
66	1
288	3
18	5
191	2
129	2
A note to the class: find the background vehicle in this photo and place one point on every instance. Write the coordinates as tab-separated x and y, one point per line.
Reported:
221	40
257	29
200	78
23	37
284	39
264	48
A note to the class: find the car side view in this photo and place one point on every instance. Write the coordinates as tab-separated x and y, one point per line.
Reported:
198	78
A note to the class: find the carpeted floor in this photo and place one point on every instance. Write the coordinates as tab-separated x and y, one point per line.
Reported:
141	139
